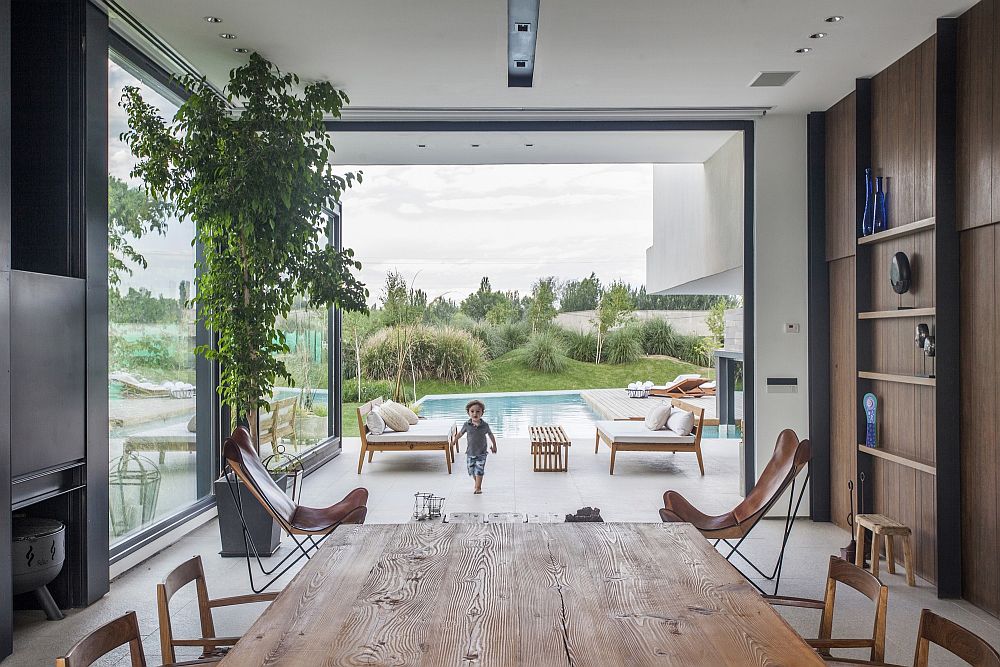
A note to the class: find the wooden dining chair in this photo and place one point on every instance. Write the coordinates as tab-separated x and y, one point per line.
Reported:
212	646
840	571
119	632
952	637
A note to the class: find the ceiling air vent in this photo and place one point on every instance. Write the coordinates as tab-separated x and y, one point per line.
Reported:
772	79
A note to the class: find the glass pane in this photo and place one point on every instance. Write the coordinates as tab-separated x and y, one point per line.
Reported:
151	340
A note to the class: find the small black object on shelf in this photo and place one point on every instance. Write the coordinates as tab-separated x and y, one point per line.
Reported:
585	515
925	341
900	275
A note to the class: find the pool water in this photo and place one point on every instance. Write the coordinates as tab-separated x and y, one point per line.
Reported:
509	415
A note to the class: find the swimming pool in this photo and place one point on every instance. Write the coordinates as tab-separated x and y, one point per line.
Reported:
509	415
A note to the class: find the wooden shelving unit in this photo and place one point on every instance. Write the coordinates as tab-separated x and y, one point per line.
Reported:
900	231
907	461
902	379
895	314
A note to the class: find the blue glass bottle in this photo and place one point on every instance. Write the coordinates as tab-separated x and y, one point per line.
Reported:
881	215
868	215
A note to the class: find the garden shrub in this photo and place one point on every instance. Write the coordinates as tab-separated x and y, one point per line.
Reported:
443	353
370	389
544	353
694	349
485	333
580	345
623	345
507	337
658	337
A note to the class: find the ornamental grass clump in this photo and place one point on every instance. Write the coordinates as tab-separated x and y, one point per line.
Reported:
545	353
257	183
580	345
507	337
658	337
443	353
623	345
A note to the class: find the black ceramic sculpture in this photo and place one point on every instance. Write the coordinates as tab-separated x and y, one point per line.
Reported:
900	276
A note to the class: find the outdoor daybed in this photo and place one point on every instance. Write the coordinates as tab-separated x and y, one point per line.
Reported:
425	435
685	386
633	436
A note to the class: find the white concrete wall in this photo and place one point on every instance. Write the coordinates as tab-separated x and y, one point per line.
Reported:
780	284
684	321
698	225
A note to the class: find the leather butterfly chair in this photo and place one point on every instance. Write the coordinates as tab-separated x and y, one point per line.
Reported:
789	458
307	526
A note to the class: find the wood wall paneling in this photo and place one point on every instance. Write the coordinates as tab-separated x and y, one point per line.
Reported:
843	374
841	202
980	418
975	116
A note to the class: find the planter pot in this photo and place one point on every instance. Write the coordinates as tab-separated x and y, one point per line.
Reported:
264	530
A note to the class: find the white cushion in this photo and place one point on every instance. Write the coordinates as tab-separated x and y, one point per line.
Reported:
680	421
408	414
428	430
657	417
394	419
636	433
374	422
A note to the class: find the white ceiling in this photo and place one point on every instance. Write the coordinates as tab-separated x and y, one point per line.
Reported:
401	148
590	53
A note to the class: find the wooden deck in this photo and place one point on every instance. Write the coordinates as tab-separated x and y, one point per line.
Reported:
615	404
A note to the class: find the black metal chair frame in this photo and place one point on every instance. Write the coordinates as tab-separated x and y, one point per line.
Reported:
775	575
303	548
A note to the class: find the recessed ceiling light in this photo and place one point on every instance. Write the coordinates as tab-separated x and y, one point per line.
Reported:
803	50
227	35
834	19
475	145
240	49
818	35
213	19
421	145
529	145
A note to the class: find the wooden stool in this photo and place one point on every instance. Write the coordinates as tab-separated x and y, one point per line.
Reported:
881	525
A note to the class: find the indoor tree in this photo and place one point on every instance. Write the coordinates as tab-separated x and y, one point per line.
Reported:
251	168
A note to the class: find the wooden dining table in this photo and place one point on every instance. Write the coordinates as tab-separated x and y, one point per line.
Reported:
538	594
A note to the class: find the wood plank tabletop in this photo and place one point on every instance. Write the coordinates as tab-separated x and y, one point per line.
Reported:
540	594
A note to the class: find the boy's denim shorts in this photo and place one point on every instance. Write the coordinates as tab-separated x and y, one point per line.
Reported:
476	465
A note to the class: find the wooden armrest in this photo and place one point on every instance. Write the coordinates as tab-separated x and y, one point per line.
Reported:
850	662
208	642
840	643
784	601
243	599
192	663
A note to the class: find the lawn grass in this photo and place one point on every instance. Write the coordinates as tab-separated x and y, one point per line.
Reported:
510	374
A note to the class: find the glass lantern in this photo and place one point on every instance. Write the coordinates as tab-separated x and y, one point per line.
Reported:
135	490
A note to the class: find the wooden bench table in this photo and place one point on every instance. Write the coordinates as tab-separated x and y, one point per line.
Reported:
549	448
540	594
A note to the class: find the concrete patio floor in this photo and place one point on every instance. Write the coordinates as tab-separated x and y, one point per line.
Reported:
634	493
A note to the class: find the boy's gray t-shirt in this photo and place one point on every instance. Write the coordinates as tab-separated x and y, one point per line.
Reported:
477	437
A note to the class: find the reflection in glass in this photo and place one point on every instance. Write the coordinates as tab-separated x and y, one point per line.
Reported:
151	338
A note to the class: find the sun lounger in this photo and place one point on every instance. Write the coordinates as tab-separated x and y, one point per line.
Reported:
425	435
133	386
685	386
633	436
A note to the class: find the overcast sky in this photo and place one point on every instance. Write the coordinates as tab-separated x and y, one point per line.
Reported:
445	227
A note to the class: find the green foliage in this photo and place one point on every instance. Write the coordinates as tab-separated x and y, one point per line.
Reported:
462	321
503	312
580	345
257	185
480	302
507	337
131	215
624	345
577	295
139	306
401	304
370	389
444	353
694	350
440	311
658	337
542	305
615	309
545	353
716	321
149	352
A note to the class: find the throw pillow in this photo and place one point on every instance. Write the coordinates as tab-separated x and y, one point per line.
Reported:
374	422
393	418
408	414
680	421
657	417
